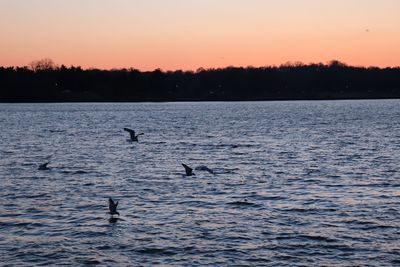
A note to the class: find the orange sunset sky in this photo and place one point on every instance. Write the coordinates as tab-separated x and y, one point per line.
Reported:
188	34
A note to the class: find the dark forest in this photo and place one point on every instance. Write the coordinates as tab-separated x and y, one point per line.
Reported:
44	82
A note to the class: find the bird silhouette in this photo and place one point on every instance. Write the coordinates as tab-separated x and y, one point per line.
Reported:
134	137
43	167
112	206
188	170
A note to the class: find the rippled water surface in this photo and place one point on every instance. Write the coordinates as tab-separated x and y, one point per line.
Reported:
294	183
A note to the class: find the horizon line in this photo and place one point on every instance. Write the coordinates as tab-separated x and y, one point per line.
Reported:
285	64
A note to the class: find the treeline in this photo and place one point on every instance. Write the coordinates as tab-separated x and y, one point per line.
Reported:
48	83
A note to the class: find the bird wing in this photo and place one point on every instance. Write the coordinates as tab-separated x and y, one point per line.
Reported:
44	165
111	205
187	169
131	132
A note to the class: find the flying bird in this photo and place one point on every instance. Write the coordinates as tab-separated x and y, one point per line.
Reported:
134	137
112	206
43	167
188	170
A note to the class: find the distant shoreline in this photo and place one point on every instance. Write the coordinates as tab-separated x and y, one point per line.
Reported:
334	81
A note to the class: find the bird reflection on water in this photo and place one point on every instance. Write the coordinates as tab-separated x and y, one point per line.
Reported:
113	219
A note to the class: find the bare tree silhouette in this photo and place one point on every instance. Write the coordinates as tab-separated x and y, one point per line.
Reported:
43	64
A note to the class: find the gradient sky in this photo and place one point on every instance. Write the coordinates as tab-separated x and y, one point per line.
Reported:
188	34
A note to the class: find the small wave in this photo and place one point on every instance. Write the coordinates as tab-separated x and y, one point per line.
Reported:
373	185
31	196
270	197
7	152
342	247
36	196
259	260
396	261
91	262
28	164
374	227
310	171
243	204
157	143
335	185
236	145
198	203
301	210
156	251
317	238
80	172
104	247
285	236
20	223
237	237
225	170
226	146
57	131
332	176
75	172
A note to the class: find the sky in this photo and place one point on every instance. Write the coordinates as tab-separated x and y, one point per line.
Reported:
189	34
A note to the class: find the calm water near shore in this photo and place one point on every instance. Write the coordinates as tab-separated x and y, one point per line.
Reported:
304	183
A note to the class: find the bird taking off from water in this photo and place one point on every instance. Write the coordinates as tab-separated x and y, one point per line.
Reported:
188	170
134	137
43	167
112	206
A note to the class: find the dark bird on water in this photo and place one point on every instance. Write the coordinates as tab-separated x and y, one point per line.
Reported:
134	137
188	170
112	206
43	167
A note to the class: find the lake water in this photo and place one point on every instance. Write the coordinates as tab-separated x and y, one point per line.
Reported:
307	183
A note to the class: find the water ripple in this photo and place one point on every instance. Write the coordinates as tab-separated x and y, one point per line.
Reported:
294	184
